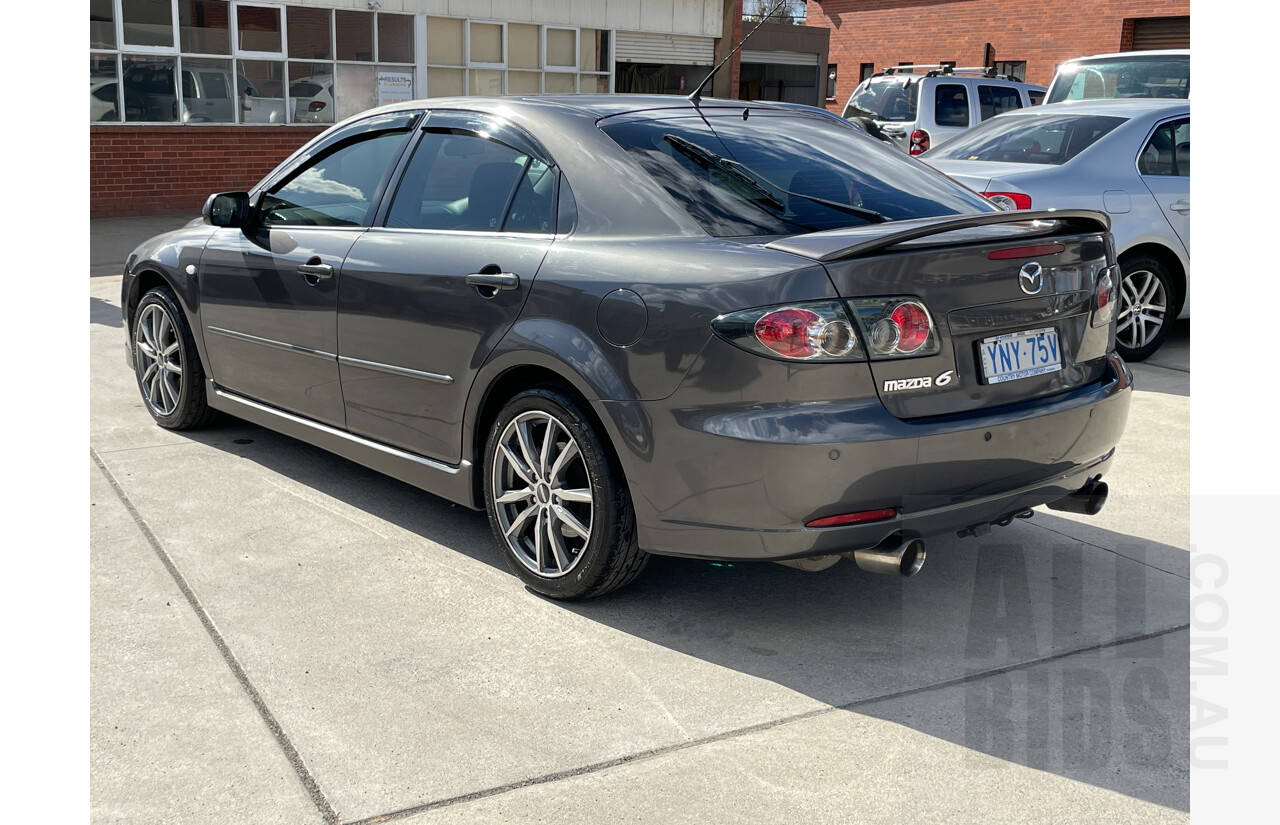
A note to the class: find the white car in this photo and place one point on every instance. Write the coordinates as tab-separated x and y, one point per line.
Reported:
1128	158
312	99
1160	74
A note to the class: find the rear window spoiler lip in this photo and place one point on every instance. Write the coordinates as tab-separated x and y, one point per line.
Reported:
1084	220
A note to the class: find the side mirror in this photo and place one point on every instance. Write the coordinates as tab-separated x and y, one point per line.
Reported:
227	209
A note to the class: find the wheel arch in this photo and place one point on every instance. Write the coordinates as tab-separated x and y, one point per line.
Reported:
1169	260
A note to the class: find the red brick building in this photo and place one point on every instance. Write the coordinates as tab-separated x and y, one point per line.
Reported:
1027	40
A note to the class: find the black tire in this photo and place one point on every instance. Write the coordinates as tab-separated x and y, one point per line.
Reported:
172	385
544	546
1147	305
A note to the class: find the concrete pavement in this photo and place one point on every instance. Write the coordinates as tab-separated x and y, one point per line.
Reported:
279	635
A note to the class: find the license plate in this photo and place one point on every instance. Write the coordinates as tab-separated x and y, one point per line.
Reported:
1020	355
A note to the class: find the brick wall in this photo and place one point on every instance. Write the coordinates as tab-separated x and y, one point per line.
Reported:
888	32
149	170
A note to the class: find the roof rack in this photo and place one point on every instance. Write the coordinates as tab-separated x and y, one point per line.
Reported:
936	69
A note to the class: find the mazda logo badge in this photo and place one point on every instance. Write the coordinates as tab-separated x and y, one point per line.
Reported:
1031	278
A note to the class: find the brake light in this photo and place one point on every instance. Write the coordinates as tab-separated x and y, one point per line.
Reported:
315	105
1009	201
896	327
919	142
860	517
817	331
1104	303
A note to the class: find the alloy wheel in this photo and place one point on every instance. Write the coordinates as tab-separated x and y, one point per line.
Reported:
1143	307
159	354
542	494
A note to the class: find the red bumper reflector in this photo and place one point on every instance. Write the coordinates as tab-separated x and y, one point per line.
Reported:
1025	252
854	518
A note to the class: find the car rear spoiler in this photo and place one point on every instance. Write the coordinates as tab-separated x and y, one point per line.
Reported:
842	244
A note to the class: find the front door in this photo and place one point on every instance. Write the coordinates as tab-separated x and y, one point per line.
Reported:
425	297
269	291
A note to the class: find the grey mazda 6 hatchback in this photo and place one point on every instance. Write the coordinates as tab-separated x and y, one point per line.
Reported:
628	325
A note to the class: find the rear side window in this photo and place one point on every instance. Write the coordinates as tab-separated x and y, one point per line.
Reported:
1044	140
992	100
890	97
776	174
951	105
1168	152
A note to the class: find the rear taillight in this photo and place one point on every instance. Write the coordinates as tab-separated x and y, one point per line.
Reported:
896	327
919	142
1009	201
175	110
315	105
1104	298
818	331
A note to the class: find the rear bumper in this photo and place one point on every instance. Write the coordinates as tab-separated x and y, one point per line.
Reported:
741	482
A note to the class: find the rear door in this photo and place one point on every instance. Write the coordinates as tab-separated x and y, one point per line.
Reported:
427	294
1165	166
269	291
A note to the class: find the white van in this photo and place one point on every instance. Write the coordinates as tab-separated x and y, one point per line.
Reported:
916	112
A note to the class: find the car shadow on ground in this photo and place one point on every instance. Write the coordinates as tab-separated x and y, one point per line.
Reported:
1004	645
106	314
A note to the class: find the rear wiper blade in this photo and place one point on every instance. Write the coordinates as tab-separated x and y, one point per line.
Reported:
758	183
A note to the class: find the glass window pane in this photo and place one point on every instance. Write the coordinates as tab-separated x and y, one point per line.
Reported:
336	190
562	48
309	34
311	92
204	26
446	82
148	89
147	22
522	46
450	169
591	84
951	105
395	38
559	83
209	94
595	50
533	208
444	41
524	83
263	84
259	29
355	35
102	25
486	43
104	89
356	89
486	82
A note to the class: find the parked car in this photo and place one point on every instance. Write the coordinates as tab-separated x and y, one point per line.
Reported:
209	95
1128	158
627	325
312	99
1163	74
103	94
917	112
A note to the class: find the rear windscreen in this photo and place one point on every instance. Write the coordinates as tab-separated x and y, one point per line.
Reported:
1167	77
1044	140
784	174
891	97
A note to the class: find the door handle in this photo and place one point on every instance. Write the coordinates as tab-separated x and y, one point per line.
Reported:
497	281
1182	207
315	272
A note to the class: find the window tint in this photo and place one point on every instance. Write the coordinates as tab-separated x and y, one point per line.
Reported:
1047	140
770	174
890	97
993	100
338	188
951	105
1168	152
459	180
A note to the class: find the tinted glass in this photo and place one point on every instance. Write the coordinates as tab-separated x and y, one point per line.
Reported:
951	105
1123	77
457	180
768	175
337	189
1046	140
1168	152
891	97
992	100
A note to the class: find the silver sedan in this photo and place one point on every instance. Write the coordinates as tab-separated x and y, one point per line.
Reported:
1128	158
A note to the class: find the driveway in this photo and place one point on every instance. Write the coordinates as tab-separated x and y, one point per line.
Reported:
279	635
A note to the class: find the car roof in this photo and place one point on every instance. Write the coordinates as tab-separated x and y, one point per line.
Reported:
1120	55
594	105
1119	107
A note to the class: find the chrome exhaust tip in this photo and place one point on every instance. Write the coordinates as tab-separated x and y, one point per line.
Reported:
1087	501
896	555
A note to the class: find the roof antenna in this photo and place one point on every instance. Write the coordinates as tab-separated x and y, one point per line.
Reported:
696	97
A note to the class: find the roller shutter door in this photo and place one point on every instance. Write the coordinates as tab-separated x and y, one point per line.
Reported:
665	49
1161	33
